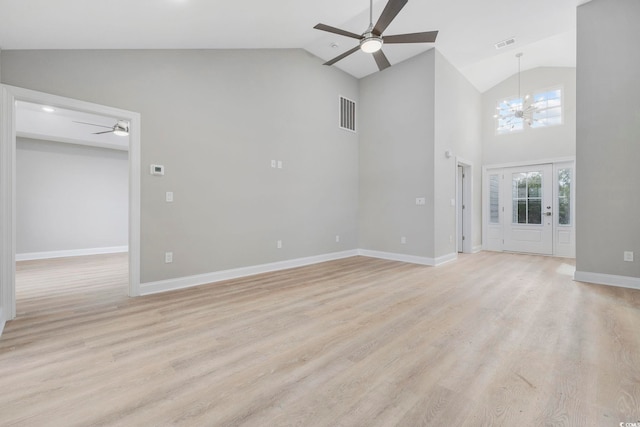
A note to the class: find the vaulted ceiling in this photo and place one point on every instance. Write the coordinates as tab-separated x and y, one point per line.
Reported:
544	29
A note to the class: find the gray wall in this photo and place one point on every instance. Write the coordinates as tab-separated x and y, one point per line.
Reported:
396	158
70	197
411	114
457	128
530	144
608	137
216	119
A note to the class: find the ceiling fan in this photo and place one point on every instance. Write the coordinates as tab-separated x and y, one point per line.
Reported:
372	39
121	128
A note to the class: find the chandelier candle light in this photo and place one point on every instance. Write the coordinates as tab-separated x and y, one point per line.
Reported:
517	111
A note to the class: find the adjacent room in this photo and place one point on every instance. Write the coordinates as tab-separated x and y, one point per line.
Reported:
319	213
71	202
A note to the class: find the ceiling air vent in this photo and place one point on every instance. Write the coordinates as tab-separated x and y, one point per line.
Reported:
505	43
347	114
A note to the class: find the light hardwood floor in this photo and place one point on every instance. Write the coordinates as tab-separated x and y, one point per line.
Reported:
490	339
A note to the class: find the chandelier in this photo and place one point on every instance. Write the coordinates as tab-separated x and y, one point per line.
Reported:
512	114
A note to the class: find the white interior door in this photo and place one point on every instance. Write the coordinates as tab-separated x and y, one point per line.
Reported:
528	208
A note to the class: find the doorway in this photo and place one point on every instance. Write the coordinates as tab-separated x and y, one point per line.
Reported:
464	206
10	96
530	208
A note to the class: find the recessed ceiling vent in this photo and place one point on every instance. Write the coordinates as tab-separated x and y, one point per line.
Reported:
347	114
505	43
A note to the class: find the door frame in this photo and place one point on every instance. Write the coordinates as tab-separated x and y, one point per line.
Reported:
11	94
555	162
467	201
546	228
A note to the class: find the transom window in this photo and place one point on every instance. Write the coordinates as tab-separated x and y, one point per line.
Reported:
548	110
507	120
544	109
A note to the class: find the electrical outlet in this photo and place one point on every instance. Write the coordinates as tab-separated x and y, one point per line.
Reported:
169	196
273	164
421	201
279	244
337	238
168	257
403	240
279	164
628	256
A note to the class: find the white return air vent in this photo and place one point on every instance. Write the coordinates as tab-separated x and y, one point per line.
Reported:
347	114
505	43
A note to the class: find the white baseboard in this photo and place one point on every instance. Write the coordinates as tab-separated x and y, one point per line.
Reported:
397	257
476	249
236	273
412	259
446	258
607	279
69	253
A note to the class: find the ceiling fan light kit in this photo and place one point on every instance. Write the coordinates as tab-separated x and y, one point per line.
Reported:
121	128
371	41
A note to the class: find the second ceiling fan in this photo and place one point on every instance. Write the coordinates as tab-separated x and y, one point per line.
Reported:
121	128
371	40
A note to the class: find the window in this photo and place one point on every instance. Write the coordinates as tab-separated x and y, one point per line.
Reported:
506	119
547	112
494	199
527	198
548	108
564	196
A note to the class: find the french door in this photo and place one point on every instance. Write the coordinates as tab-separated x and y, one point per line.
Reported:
528	209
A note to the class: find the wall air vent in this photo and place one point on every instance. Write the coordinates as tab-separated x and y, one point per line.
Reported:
505	43
347	114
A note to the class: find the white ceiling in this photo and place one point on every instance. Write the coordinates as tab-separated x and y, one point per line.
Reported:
544	29
59	124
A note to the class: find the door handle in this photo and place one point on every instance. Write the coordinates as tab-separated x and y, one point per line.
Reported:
548	213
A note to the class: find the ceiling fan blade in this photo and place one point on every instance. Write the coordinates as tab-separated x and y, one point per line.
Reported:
335	30
426	37
100	133
93	124
344	55
390	11
381	60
